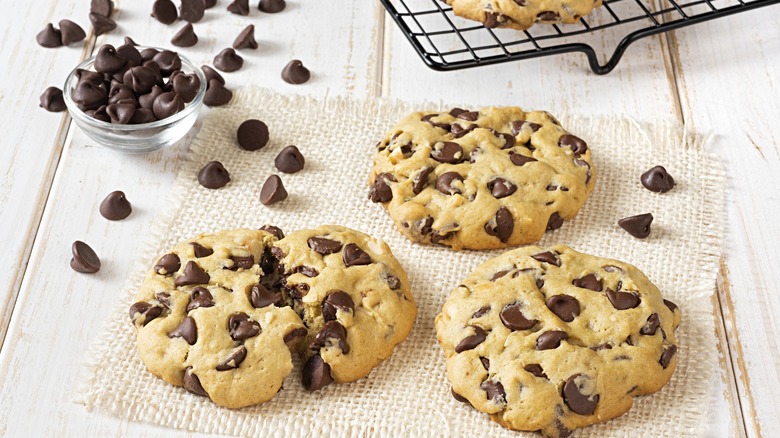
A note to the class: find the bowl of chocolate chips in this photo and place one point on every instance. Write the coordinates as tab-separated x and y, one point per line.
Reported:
135	99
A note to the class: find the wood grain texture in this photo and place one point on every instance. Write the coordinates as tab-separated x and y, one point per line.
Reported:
727	70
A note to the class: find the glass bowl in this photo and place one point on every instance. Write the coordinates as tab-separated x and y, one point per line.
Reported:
144	137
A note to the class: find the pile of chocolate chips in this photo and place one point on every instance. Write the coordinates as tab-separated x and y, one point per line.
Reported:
132	87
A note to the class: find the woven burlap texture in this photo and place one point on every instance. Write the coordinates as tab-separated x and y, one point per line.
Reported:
409	395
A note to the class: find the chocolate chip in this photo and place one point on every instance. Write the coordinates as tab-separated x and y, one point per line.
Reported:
577	145
495	391
550	340
470	116
565	307
49	37
494	19
519	125
667	355
445	181
574	398
290	160
651	326
276	231
121	94
622	300
500	274
502	226
272	6
273	191
380	191
108	60
295	73
429	119
99	114
210	74
168	264
193	274
324	246
501	188
331	330
139	79
601	347
637	226
120	113
186	330
316	373
234	360
485	363
246	39
536	370
519	160
548	16
589	281
261	297
148	54
168	61
657	180
336	300
102	7
239	7
213	175
142	115
447	152
294	334
167	104
52	100
164	11
144	310
670	305
458	397
554	222
509	140
147	100
217	94
84	258
482	311
242	262
200	297
353	255
191	383
101	24
71	32
440	235
393	282
459	131
420	180
512	317
185	37
192	10
547	257
228	60
472	341
186	86
455	112
252	135
241	327
116	206
131	55
200	250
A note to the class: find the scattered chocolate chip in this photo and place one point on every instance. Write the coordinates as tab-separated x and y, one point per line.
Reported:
164	11
168	61
276	231
234	360
252	135
589	281
200	297
547	257
482	311
116	206
470	116
84	258
324	246
445	181
261	297
519	125
273	191
200	250
193	274
548	16
550	340
455	112
316	373
420	180
519	160
241	327
494	19
667	355
242	262
192	10
213	175
305	270
272	6
501	188
289	160
564	307
191	383
429	119
186	330
167	104
495	391
120	113
144	310
380	191
228	60
239	7
485	363
246	39
168	264
574	398
622	300
101	24
331	330
657	180
577	145
294	334
210	74
336	300
536	370
472	341
500	274
509	140
651	326
102	7
49	37
502	226
512	317
393	282
458	397
185	37
670	305
554	222
353	255
52	100
447	152
584	163
637	226
295	73
71	32
217	94
459	131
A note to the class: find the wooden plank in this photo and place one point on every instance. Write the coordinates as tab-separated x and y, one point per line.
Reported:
33	137
727	71
59	313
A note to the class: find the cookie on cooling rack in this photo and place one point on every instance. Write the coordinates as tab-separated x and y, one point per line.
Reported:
522	14
553	340
481	179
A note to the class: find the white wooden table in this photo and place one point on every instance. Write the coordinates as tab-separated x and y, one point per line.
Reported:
720	77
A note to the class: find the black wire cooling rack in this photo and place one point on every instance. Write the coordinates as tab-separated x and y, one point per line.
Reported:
447	42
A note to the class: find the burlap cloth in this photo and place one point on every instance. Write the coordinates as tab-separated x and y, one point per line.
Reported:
408	395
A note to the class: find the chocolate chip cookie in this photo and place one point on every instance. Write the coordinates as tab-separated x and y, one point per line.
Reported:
552	339
482	179
522	14
352	295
